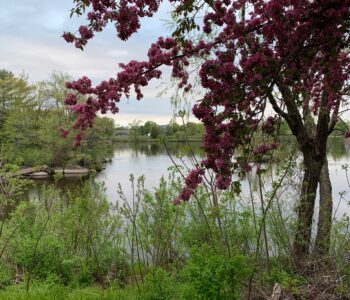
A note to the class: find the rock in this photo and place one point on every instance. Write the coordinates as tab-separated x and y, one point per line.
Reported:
106	160
72	171
45	168
76	171
100	167
24	172
58	171
276	293
75	176
39	175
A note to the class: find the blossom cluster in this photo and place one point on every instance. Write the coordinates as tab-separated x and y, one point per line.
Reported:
264	148
125	14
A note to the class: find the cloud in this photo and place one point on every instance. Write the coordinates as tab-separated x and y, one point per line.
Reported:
31	42
39	57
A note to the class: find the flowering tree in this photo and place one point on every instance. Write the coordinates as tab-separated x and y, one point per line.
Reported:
284	58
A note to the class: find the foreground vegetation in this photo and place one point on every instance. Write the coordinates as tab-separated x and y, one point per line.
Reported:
77	245
49	291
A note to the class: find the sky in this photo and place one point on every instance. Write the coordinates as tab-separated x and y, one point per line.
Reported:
31	43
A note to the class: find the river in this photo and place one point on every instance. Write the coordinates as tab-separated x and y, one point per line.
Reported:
152	160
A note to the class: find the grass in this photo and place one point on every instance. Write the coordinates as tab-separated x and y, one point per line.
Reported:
57	292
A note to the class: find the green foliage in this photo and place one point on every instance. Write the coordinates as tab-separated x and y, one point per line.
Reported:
184	132
340	128
144	247
134	130
215	276
172	128
158	285
286	278
30	120
156	223
151	131
49	291
13	90
283	129
155	132
70	240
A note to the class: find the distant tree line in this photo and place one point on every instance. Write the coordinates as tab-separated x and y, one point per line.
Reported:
150	130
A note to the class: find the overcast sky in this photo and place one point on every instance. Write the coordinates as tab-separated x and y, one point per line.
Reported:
31	42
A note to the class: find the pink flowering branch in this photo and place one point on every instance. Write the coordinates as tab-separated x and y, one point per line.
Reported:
296	49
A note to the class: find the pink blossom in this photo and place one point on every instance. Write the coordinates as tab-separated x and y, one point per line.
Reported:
176	201
186	193
64	132
279	44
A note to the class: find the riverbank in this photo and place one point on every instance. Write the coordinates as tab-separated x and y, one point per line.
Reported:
147	139
44	172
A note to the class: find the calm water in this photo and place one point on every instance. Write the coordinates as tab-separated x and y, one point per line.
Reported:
153	161
150	160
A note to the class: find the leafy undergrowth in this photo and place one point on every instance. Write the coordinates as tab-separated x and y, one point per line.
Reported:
77	245
57	292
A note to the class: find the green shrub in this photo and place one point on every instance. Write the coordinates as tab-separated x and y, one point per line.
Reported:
158	285
215	276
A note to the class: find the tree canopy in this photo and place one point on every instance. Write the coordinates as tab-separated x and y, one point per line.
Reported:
260	61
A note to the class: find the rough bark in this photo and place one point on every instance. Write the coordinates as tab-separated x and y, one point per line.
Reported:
324	226
312	140
305	212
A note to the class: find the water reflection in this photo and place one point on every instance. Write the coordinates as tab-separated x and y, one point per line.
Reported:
338	149
152	161
155	149
64	184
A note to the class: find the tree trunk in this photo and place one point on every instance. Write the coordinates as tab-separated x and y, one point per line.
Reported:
306	209
324	226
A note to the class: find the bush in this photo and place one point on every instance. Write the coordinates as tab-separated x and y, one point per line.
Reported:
71	239
158	285
215	276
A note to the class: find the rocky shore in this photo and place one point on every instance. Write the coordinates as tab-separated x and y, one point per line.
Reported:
42	172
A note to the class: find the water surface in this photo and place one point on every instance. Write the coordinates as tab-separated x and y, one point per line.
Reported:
153	160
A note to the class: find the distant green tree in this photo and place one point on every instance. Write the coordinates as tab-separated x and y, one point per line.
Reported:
147	127
6	74
172	128
52	92
194	129
134	130
12	90
155	131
